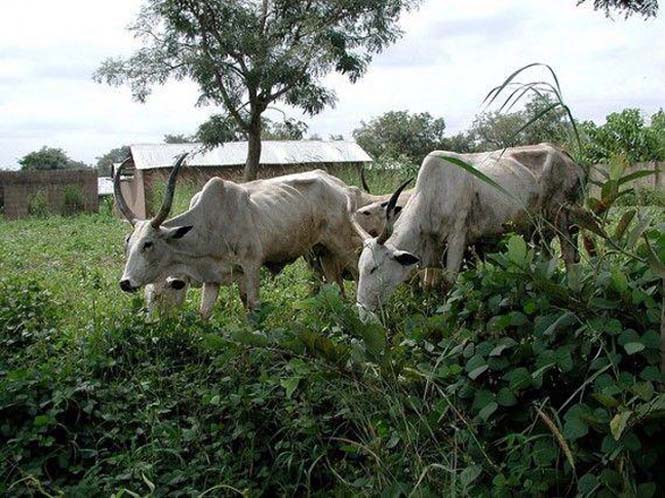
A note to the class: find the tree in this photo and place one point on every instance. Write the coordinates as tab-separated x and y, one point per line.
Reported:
644	8
398	133
218	130
495	130
247	54
105	163
178	139
624	133
49	158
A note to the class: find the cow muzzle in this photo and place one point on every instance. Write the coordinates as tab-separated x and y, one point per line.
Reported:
126	285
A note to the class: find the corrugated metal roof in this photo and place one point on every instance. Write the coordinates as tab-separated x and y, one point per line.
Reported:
151	156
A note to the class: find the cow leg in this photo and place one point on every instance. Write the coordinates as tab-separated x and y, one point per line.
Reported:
242	289
455	254
430	278
208	299
567	239
332	270
252	286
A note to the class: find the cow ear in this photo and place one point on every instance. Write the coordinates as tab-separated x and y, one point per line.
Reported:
178	232
398	209
405	258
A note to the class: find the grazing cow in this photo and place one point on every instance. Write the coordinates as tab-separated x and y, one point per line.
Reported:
451	209
261	223
371	215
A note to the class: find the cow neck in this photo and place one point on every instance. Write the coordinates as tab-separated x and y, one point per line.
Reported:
406	237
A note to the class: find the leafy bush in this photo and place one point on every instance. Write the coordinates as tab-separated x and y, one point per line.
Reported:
38	205
558	377
73	201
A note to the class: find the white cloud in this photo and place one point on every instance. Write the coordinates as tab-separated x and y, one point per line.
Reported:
452	53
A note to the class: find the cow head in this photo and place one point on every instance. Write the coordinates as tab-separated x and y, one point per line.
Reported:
149	248
381	266
372	218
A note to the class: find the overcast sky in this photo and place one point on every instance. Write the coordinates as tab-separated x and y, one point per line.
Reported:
452	53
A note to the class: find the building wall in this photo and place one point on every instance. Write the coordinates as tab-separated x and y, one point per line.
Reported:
194	179
21	189
649	182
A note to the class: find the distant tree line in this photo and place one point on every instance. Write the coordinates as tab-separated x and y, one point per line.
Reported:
400	135
49	158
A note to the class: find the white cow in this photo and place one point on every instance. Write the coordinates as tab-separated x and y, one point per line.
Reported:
268	222
451	209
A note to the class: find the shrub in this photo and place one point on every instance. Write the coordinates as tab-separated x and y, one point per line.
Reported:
38	205
558	377
73	201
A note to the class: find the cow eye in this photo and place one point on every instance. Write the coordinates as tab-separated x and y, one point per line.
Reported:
147	245
366	213
373	270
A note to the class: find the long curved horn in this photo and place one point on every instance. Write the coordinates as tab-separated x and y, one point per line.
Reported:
363	180
351	211
168	195
119	199
390	214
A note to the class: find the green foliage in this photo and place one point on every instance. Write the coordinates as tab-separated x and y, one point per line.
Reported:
48	158
624	133
219	129
496	130
38	204
178	139
73	201
399	133
105	163
556	371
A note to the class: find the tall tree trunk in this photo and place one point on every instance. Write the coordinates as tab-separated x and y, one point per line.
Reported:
253	149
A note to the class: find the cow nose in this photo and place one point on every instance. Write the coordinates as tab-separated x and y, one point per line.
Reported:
126	286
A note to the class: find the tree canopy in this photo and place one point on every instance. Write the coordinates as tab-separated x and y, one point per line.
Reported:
625	133
494	130
218	130
247	54
49	158
398	133
105	162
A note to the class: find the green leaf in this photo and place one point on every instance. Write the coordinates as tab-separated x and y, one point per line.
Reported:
624	223
488	410
633	347
505	397
646	490
476	372
41	420
519	379
505	343
374	336
517	250
574	429
290	385
627	336
605	400
587	484
470	474
619	423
